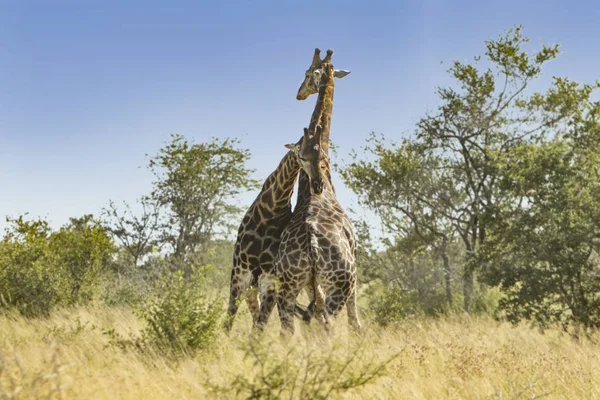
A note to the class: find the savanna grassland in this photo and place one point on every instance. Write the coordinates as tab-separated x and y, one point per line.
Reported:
484	283
67	356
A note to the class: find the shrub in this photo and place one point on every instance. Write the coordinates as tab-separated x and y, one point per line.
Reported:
303	372
28	281
40	269
82	250
128	292
181	318
392	303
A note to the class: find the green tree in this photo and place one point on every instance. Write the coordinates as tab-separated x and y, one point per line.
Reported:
83	250
138	234
197	183
389	187
40	269
28	281
449	172
543	249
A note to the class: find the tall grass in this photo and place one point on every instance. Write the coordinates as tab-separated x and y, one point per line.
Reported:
67	356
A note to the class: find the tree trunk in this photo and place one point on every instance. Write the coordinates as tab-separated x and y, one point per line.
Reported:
482	285
468	280
447	276
467	289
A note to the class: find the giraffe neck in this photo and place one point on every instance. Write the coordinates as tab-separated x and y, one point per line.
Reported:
276	193
323	109
320	116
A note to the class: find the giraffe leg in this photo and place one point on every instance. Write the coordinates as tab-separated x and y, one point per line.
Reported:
319	307
335	301
239	283
286	302
253	303
268	296
351	307
306	313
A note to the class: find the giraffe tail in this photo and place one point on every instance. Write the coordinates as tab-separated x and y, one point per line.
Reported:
318	301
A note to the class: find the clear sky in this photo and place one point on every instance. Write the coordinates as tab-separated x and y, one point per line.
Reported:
87	88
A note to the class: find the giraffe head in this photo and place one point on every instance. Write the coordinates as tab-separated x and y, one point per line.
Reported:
315	73
312	159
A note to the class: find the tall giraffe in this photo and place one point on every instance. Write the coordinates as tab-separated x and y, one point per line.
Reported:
260	230
317	247
259	233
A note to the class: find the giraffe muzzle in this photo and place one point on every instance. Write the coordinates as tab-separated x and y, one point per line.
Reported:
317	186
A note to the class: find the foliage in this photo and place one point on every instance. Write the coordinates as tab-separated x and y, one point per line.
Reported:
83	250
408	280
445	180
217	253
181	317
196	184
137	234
391	304
29	281
306	372
543	248
40	268
129	291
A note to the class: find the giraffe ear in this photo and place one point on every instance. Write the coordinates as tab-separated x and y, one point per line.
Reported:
292	146
340	73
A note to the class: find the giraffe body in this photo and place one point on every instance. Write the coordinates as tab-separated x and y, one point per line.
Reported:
259	235
317	248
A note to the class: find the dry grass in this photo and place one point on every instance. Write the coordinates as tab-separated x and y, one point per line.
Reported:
66	356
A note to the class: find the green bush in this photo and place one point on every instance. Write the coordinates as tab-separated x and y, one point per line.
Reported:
82	250
126	292
310	371
28	280
183	317
391	303
40	269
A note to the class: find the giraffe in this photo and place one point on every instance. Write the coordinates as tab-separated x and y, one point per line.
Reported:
259	232
317	247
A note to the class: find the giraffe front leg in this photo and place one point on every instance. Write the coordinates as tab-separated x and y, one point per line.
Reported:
239	283
286	303
253	303
335	301
307	313
318	306
268	297
352	309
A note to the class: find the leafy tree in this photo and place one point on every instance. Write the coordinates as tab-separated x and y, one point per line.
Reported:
137	234
544	247
446	179
83	250
196	183
388	186
28	281
40	269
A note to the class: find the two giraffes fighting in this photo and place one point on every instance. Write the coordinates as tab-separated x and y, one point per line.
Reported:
279	252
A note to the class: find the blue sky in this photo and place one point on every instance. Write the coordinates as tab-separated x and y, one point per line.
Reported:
87	88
